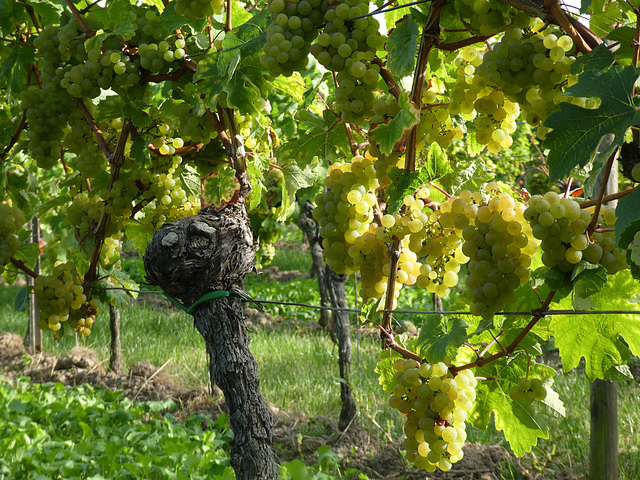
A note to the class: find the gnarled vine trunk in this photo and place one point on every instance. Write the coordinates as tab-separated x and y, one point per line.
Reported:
213	252
336	284
311	230
115	358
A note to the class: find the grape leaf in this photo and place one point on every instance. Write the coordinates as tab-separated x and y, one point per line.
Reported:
520	422
316	141
577	132
310	95
294	179
386	136
402	46
292	86
588	279
441	336
14	68
21	300
236	69
600	58
596	337
628	221
220	186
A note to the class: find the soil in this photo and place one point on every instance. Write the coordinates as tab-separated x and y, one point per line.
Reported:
296	436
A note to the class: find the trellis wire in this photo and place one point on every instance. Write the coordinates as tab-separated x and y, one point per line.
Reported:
407	312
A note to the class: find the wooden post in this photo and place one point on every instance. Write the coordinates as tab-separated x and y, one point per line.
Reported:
603	448
33	340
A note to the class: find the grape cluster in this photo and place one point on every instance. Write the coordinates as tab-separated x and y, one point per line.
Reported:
89	161
348	46
528	390
345	211
500	246
199	8
11	220
436	404
47	115
61	299
191	126
486	17
294	25
532	69
561	225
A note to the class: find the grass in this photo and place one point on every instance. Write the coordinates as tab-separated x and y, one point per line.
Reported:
299	371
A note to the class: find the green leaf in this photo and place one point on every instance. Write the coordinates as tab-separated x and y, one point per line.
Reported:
386	136
14	68
628	218
220	186
577	131
597	337
600	58
316	141
441	336
402	46
310	95
294	179
588	279
21	300
521	423
293	86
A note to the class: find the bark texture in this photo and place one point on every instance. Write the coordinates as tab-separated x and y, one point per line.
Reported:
115	359
336	283
214	251
311	231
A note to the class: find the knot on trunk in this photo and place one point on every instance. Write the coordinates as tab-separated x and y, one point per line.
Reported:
198	254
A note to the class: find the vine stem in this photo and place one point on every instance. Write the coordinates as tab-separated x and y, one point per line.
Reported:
608	198
537	315
394	89
15	137
76	14
603	188
394	258
559	15
19	263
116	162
102	143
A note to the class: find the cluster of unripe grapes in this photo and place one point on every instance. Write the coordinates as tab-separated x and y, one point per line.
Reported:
486	17
562	225
199	8
532	69
528	390
436	404
348	46
294	25
192	126
11	220
61	299
500	246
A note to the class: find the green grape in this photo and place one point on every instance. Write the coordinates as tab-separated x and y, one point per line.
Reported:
528	390
635	173
199	8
